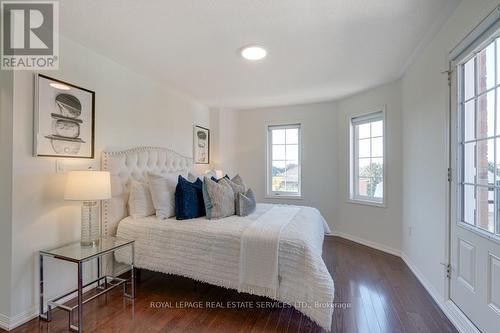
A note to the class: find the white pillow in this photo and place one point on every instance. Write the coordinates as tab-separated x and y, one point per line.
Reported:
140	203
163	194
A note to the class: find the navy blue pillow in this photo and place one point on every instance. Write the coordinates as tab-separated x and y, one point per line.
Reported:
217	180
189	199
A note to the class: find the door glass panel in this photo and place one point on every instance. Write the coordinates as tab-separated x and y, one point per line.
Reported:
470	120
485	162
469	204
469	163
485	203
479	140
486	68
486	115
469	79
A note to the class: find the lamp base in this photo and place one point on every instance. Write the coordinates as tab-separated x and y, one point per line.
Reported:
90	224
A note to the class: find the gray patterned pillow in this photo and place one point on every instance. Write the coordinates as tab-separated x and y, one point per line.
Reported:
237	188
238	180
245	203
218	198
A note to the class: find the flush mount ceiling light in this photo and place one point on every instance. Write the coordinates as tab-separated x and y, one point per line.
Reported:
253	52
59	86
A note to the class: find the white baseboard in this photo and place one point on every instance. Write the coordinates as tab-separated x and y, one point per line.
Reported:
4	322
454	314
9	323
374	245
459	319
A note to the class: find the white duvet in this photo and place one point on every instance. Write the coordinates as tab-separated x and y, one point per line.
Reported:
209	251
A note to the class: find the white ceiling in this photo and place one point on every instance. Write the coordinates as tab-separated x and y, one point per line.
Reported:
317	49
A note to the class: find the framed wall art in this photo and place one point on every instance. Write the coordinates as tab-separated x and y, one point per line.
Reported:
201	150
64	119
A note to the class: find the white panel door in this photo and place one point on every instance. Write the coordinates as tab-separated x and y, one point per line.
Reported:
475	186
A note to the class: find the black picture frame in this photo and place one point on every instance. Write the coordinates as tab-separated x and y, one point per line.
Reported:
65	135
201	154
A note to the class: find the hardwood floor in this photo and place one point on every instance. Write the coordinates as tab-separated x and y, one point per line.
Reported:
374	292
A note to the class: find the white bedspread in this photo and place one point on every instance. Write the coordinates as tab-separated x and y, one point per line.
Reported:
259	251
209	251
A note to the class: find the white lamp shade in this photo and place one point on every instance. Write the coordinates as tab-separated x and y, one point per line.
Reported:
219	174
88	186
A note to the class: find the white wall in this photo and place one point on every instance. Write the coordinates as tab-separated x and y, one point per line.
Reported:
324	160
130	111
425	93
319	154
6	86
380	227
224	140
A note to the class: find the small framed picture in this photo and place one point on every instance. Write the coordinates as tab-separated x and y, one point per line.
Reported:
201	150
64	119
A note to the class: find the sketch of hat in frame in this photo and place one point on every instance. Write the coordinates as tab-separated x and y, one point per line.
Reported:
202	139
64	121
69	105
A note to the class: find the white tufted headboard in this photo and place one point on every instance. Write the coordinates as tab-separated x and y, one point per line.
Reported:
134	164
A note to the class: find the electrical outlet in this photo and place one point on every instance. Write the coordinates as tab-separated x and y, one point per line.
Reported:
409	230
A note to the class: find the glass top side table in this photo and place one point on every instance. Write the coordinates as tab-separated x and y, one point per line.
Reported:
78	254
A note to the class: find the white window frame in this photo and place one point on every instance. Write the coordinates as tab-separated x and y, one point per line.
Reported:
352	195
457	63
269	165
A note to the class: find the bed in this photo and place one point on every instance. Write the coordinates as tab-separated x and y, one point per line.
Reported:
209	250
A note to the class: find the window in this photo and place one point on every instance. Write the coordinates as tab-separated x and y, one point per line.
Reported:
284	149
367	158
479	138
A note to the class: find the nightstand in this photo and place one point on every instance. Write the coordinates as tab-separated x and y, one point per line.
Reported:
79	254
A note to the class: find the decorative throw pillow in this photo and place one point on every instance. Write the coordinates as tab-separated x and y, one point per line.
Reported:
236	187
219	199
140	203
189	199
245	203
192	177
238	180
163	194
217	180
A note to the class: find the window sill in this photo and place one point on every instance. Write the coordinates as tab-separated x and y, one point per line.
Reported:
284	197
367	203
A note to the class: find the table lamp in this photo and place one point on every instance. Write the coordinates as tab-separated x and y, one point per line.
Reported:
89	187
219	174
